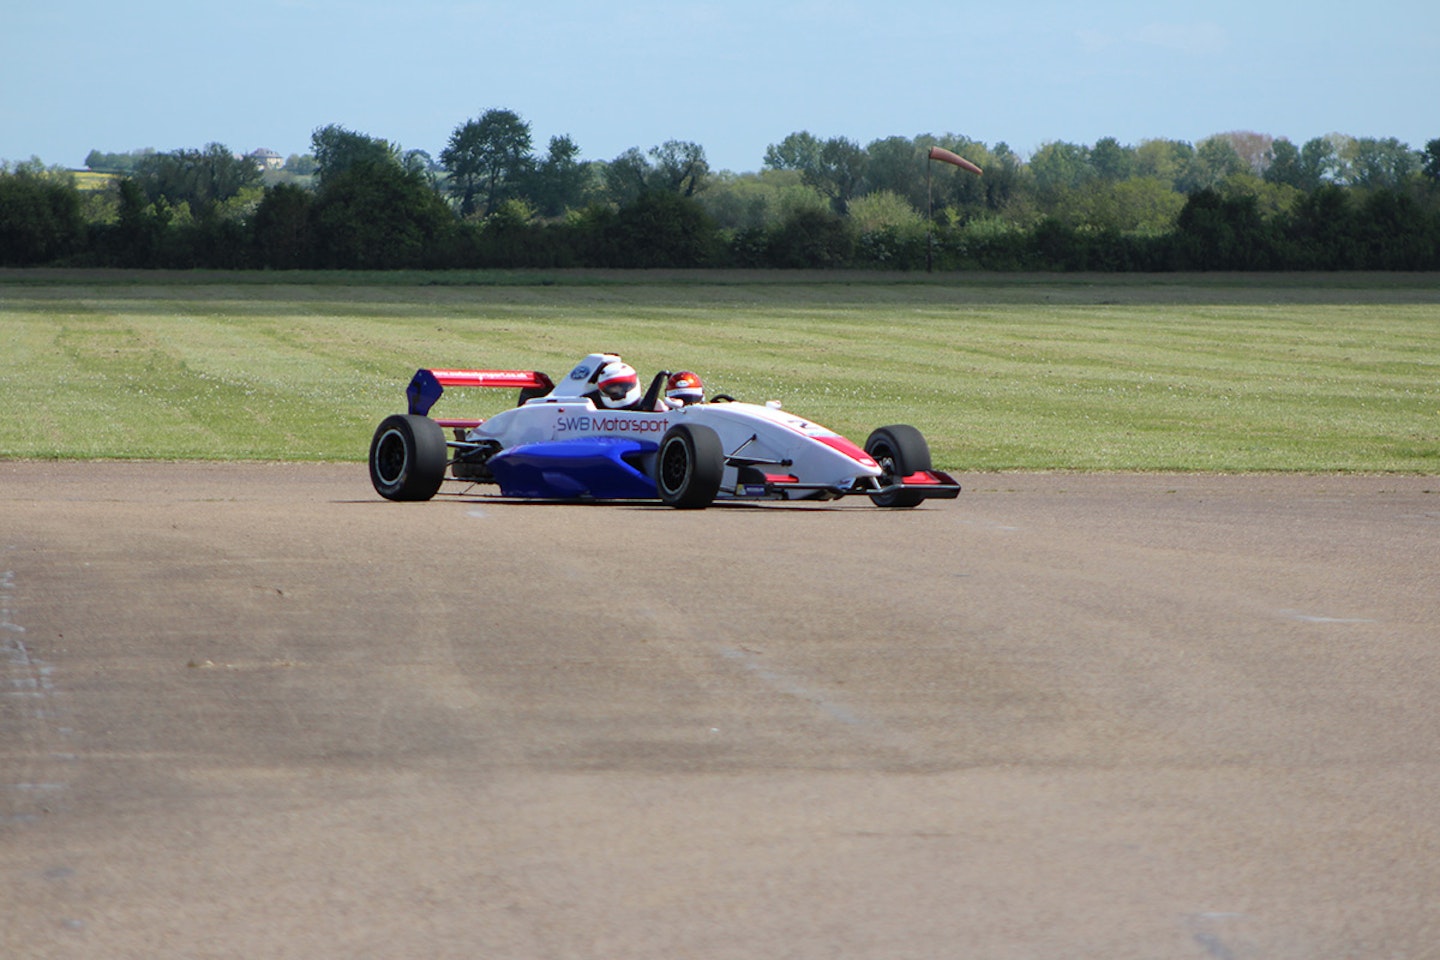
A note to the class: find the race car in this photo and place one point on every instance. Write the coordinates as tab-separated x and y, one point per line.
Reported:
595	437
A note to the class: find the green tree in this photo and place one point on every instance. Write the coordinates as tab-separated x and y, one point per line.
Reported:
509	237
378	216
1059	166
337	150
1394	233
664	228
1165	160
1304	168
836	168
301	165
1271	199
1284	165
1138	205
1319	164
561	181
676	166
798	151
1386	164
1346	148
1430	162
40	218
419	162
489	155
281	228
627	177
884	210
122	163
838	173
198	179
1215	158
1254	149
896	165
811	239
1319	234
138	234
1111	161
1215	233
679	167
1006	185
757	201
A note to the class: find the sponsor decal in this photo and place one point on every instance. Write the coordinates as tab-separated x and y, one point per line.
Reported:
580	373
608	424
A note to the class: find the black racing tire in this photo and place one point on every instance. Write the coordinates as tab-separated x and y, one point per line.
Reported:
688	466
900	450
408	457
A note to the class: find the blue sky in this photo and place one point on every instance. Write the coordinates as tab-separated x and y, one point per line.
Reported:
734	76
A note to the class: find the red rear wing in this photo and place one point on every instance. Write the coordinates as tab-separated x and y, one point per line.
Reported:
427	385
512	379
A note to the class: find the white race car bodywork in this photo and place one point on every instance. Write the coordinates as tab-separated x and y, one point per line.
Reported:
777	444
557	444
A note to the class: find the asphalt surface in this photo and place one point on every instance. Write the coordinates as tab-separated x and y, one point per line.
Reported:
253	711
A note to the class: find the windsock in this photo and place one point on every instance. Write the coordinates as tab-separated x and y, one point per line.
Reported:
940	153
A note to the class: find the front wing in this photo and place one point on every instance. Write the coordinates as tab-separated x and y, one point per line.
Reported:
929	484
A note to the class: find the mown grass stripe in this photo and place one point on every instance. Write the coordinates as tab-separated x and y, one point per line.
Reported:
1024	374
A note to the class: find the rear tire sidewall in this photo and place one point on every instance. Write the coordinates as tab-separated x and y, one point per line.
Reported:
408	457
900	450
689	466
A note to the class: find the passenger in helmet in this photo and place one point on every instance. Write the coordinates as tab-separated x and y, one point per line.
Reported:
617	386
683	388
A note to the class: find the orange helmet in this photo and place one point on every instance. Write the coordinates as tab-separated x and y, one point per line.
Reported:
684	387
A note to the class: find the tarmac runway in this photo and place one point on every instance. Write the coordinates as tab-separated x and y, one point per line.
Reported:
253	711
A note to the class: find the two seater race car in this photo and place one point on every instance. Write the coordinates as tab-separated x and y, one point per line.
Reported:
563	442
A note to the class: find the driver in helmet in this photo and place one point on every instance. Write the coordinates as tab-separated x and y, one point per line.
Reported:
617	386
682	389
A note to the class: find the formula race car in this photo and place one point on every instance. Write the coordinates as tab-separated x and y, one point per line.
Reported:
596	436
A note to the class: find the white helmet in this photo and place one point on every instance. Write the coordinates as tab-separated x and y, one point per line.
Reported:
618	385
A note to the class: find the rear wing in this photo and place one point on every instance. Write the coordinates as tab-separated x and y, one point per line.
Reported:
427	385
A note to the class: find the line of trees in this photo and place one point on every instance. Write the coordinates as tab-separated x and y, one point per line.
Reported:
1238	201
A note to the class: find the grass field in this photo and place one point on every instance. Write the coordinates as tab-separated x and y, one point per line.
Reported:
1217	373
90	180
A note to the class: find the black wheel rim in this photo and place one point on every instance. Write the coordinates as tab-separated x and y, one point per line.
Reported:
390	457
674	465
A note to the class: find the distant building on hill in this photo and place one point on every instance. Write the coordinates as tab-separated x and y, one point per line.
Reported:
266	159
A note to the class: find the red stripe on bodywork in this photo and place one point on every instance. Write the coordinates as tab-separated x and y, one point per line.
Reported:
847	447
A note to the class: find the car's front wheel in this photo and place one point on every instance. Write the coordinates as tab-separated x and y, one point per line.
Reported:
900	450
407	457
689	466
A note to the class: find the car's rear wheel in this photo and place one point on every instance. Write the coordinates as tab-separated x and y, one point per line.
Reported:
689	466
407	457
900	450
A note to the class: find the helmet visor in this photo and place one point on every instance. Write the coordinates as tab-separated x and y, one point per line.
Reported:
617	388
